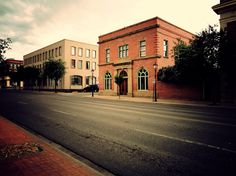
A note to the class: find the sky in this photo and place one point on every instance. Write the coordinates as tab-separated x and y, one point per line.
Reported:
33	24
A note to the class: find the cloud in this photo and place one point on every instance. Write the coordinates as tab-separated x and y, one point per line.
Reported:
33	24
19	18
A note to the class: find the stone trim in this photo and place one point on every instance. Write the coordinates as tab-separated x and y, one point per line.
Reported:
129	33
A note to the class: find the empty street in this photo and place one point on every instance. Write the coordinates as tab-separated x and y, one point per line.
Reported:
131	138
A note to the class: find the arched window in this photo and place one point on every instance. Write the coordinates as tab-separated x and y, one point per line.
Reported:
142	79
123	73
107	81
76	80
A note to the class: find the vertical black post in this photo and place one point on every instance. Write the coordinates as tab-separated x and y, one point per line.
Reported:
92	84
155	82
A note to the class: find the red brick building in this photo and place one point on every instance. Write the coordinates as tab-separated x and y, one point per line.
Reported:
132	52
9	67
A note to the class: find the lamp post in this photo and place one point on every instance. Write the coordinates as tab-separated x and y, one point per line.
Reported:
92	83
155	81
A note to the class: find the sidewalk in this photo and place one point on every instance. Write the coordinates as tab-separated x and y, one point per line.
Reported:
140	99
150	100
23	154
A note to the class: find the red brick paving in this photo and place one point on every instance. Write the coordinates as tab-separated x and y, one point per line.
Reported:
49	162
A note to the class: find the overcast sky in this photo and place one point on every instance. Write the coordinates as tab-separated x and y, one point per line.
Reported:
33	24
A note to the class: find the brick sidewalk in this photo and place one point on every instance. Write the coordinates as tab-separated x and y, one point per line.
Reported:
22	153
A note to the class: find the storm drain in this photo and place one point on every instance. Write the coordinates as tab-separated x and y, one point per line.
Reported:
19	150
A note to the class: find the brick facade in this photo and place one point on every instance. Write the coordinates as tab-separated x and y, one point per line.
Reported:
137	65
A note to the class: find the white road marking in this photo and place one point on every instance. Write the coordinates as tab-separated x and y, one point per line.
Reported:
21	102
63	112
187	141
55	110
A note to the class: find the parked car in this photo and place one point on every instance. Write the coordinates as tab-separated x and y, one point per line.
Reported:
89	88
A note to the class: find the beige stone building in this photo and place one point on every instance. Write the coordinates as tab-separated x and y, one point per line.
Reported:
81	59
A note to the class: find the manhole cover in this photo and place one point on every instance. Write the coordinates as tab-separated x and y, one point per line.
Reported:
19	150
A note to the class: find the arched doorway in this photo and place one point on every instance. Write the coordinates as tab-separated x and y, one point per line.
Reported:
124	85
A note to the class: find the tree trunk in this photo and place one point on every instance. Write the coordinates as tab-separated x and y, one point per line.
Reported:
55	86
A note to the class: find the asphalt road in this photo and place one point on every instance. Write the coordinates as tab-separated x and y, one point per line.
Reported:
128	138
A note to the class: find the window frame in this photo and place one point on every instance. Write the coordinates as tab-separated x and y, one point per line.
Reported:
108	56
143	80
123	51
79	81
94	54
73	51
107	81
60	51
73	63
87	65
165	48
94	65
87	53
80	52
80	64
142	48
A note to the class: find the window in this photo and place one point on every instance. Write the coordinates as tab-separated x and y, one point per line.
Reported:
49	54
52	52
80	64
123	51
87	80
142	79
107	55
94	66
76	80
143	48
73	51
72	63
165	48
94	80
46	55
56	52
87	53
87	65
59	50
80	52
107	81
94	54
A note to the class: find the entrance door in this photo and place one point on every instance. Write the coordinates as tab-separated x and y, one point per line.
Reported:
124	85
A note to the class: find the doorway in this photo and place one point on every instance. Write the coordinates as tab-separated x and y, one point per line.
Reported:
124	85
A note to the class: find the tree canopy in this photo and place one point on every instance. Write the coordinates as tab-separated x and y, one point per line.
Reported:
54	69
199	62
119	80
4	45
30	75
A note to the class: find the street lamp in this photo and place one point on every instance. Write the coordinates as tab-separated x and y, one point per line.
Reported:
92	83
155	82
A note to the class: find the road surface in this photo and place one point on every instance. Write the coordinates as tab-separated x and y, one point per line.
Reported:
130	138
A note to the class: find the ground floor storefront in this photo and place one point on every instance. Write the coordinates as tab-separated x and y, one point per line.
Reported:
139	81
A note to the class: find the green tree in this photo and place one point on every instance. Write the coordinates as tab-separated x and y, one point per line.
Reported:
4	45
31	75
206	50
55	70
119	80
167	74
198	63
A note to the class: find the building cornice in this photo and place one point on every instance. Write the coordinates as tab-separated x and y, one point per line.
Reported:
130	33
128	62
224	7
